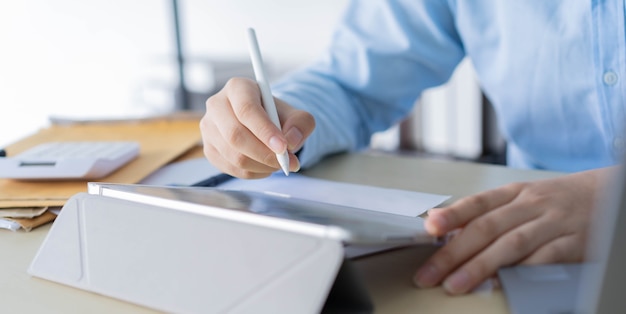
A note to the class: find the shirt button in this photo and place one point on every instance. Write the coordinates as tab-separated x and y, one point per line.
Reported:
610	78
618	144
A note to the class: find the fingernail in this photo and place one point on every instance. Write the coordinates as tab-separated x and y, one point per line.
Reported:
437	221
277	145
294	137
426	276
457	282
440	221
297	166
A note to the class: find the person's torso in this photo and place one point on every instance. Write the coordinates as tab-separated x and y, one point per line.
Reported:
554	71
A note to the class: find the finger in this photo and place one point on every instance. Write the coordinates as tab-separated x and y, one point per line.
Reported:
472	239
566	248
245	159
227	158
210	135
241	146
442	220
245	99
294	163
509	249
297	125
233	161
216	159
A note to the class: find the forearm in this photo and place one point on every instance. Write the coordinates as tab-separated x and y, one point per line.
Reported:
339	124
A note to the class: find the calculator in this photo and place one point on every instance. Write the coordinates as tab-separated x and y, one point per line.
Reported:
69	160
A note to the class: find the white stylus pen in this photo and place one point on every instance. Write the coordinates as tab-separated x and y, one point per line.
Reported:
266	93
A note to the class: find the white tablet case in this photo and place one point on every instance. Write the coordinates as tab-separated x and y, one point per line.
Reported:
184	262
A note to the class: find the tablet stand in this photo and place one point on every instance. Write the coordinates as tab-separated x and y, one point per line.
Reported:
181	262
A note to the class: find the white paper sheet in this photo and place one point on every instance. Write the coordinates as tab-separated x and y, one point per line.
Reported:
394	201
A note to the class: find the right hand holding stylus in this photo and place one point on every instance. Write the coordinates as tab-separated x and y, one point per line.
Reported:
241	140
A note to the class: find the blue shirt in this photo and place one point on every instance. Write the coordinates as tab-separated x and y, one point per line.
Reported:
554	71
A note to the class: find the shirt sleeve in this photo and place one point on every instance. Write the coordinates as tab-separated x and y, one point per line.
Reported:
382	55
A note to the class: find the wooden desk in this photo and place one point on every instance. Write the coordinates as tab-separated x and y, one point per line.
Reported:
387	276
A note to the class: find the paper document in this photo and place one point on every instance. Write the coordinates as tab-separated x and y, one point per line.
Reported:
27	212
161	142
394	201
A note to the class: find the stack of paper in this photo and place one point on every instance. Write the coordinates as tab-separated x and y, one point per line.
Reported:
393	201
161	140
26	218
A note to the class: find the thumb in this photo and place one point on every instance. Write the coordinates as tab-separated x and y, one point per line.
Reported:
297	124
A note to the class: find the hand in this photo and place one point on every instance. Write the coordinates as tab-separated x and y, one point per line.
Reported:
240	139
528	223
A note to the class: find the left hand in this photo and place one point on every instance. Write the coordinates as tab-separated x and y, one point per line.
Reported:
527	223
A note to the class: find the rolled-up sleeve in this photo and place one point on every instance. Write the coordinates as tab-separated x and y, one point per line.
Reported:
383	54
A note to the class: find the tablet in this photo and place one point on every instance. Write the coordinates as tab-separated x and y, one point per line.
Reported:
347	224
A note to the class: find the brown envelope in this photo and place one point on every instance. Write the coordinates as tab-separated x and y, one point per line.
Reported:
30	223
161	140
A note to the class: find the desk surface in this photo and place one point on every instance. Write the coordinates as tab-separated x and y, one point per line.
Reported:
387	276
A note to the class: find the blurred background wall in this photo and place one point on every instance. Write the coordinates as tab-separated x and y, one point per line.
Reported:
114	58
